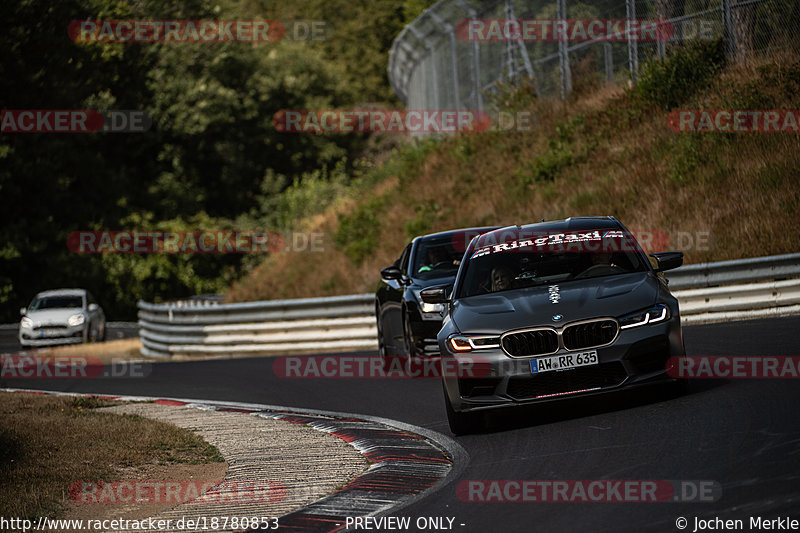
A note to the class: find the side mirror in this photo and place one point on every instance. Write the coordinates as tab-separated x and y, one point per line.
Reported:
435	295
667	260
23	311
93	307
391	272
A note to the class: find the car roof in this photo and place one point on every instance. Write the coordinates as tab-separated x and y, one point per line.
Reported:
448	233
62	292
566	224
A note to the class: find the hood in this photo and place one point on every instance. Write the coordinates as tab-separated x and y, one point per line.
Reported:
573	300
52	316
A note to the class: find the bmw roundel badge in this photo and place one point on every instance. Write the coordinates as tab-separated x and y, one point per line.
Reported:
557	317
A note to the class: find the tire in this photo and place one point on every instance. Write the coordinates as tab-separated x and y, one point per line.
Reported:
461	423
385	359
409	349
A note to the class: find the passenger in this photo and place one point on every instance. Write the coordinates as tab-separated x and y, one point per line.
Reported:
502	279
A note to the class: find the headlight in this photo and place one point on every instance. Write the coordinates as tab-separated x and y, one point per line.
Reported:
658	313
26	322
432	308
428	308
76	320
467	343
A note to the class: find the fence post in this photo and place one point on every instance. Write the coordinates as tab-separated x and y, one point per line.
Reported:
609	61
563	54
727	24
475	55
633	44
451	33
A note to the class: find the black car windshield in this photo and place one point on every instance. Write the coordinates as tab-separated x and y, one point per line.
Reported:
56	302
436	257
510	268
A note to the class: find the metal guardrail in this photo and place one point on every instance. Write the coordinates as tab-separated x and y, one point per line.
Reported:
736	271
339	323
708	292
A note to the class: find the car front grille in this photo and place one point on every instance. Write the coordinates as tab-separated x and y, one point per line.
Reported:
532	342
566	381
50	326
589	334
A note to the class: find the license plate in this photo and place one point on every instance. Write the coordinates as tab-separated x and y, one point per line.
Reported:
562	362
45	333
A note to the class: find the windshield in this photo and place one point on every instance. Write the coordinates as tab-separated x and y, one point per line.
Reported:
436	257
504	268
56	302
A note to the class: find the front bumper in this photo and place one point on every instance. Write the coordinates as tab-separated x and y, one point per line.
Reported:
424	329
492	379
52	335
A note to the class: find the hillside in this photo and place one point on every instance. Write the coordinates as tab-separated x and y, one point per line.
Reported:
608	151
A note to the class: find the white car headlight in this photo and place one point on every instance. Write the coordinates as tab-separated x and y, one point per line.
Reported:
432	308
26	322
658	313
76	320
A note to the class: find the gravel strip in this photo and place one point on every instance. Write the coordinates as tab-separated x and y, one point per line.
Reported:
299	464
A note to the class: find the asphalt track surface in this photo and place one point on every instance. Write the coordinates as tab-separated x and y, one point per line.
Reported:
742	434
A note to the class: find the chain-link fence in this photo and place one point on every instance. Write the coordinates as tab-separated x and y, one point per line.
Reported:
458	52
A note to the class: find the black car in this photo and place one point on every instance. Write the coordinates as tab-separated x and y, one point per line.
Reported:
553	310
406	326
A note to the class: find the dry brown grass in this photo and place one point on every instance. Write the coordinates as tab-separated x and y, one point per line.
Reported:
49	442
742	189
105	352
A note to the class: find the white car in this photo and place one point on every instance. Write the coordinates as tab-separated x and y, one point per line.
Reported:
63	316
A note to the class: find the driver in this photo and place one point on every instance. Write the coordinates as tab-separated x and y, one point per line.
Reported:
603	258
436	256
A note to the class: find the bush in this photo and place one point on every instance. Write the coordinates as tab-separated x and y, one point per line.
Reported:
670	82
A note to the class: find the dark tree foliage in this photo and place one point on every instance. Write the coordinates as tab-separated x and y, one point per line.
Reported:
208	161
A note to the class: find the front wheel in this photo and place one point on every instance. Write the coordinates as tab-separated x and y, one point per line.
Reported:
409	348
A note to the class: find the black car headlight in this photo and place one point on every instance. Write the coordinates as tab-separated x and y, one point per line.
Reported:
428	309
652	315
468	343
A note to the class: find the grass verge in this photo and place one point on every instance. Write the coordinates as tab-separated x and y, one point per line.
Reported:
49	442
608	151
